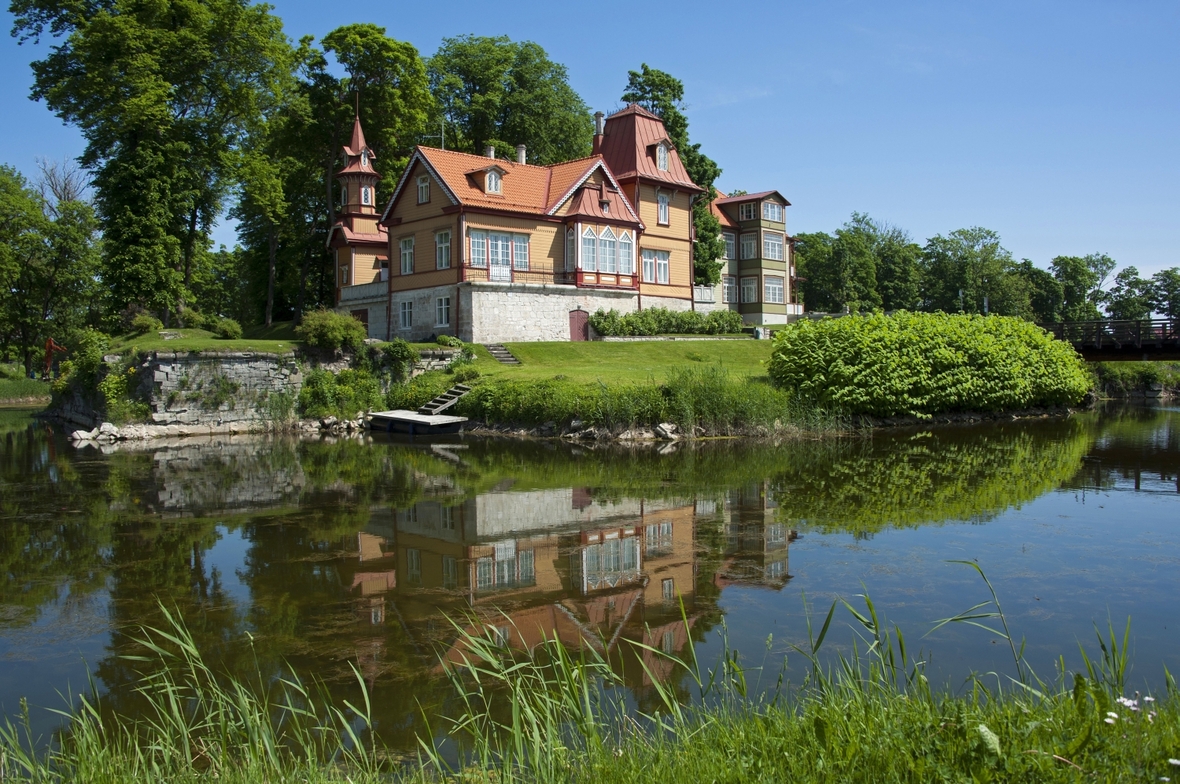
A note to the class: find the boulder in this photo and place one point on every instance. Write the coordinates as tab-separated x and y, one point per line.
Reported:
666	431
328	422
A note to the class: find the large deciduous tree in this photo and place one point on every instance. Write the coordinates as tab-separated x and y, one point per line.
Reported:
496	91
48	262
1130	297
1082	278
839	272
969	271
1046	295
1165	292
663	95
164	94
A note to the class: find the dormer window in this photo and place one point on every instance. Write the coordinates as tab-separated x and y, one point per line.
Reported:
662	157
365	158
606	208
493	181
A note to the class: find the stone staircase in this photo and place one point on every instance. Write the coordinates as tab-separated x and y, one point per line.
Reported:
501	354
445	400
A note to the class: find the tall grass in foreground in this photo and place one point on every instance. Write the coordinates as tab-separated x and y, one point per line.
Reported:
556	714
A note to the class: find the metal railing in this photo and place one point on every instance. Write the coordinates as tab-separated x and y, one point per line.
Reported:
1147	333
580	278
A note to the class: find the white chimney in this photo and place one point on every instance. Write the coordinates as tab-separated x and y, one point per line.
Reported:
490	151
520	153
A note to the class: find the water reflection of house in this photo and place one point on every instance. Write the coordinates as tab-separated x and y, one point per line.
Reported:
756	543
522	565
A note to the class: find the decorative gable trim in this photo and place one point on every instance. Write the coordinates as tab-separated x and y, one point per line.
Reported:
401	183
581	180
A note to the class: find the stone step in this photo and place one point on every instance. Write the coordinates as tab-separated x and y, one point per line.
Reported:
501	354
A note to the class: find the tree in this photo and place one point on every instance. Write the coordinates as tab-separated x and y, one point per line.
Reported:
1082	278
895	262
663	95
164	94
1165	292
500	92
969	271
1045	292
839	273
1131	296
47	262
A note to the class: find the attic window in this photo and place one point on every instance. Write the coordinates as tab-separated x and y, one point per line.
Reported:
605	208
493	182
662	157
365	158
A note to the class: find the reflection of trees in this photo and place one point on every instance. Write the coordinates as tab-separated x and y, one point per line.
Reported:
930	476
1138	445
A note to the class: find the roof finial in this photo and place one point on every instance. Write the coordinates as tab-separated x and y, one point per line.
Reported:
357	94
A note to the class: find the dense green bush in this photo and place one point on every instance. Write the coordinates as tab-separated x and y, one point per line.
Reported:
449	340
398	356
81	370
463	374
1116	379
344	394
926	363
417	391
145	323
661	321
331	330
227	329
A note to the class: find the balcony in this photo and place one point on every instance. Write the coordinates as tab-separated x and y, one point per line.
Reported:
377	288
580	278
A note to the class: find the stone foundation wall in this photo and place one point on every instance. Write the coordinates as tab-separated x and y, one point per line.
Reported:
520	312
668	303
425	325
220	387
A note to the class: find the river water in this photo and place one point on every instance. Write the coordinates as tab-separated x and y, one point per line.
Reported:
323	555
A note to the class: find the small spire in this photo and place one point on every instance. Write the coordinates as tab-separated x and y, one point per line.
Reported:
358	136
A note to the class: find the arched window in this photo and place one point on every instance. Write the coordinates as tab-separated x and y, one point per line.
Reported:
606	251
626	254
365	158
344	194
589	250
493	181
662	157
571	250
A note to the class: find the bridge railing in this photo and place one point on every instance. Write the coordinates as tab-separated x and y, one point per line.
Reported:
1117	334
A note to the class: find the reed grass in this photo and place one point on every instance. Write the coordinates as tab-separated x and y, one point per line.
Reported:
554	713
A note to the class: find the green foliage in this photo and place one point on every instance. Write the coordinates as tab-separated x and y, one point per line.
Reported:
464	374
1130	297
926	363
328	329
344	394
495	91
449	340
1119	379
661	321
1081	278
120	392
227	329
144	323
399	355
1165	292
80	371
413	394
969	271
1046	294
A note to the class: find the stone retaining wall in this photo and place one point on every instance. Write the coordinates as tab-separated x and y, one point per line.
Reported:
220	387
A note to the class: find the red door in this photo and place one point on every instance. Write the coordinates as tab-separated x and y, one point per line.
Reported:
579	325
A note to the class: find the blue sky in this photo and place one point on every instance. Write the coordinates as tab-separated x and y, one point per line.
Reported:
1055	124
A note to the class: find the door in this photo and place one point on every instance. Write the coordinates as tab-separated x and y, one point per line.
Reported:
500	253
579	325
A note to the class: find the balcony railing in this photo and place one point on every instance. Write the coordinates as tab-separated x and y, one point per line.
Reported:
580	278
364	291
704	294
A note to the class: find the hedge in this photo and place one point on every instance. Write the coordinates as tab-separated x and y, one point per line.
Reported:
661	321
926	363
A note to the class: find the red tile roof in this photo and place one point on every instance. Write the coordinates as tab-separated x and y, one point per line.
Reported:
628	145
751	197
587	203
723	216
358	238
534	190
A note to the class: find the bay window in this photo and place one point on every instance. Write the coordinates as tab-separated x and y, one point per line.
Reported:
626	254
730	246
749	290
606	251
571	250
589	251
772	211
749	246
748	211
520	252
479	248
772	290
772	246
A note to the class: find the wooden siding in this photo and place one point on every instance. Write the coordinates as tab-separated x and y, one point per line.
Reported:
426	272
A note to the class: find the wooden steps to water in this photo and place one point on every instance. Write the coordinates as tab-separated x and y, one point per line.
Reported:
444	401
501	354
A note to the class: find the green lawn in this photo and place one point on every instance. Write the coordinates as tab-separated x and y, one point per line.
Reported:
199	340
627	362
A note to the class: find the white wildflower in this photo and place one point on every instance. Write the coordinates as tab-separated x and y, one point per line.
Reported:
1175	762
1112	714
1109	721
1149	699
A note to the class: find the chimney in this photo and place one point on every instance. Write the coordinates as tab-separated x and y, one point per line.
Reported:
490	151
597	133
520	153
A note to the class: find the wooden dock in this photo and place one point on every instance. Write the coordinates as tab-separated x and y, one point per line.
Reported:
414	424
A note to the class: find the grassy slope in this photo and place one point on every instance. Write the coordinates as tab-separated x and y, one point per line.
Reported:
198	340
15	386
624	362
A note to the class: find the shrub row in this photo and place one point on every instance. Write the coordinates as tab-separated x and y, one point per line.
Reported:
1123	378
661	321
926	363
344	394
328	329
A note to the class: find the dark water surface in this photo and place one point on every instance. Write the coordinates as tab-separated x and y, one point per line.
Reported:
334	554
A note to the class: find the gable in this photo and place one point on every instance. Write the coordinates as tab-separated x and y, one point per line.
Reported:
405	195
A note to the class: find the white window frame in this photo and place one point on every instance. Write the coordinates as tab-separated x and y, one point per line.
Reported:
407	255
442	249
626	254
663	266
748	211
649	266
607	251
729	289
773	290
492	181
663	208
366	196
749	289
662	157
479	248
499	250
424	189
749	245
772	211
520	252
589	260
365	158
772	245
730	245
405	317
442	312
571	250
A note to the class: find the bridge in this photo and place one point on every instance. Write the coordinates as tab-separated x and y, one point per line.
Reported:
1113	341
